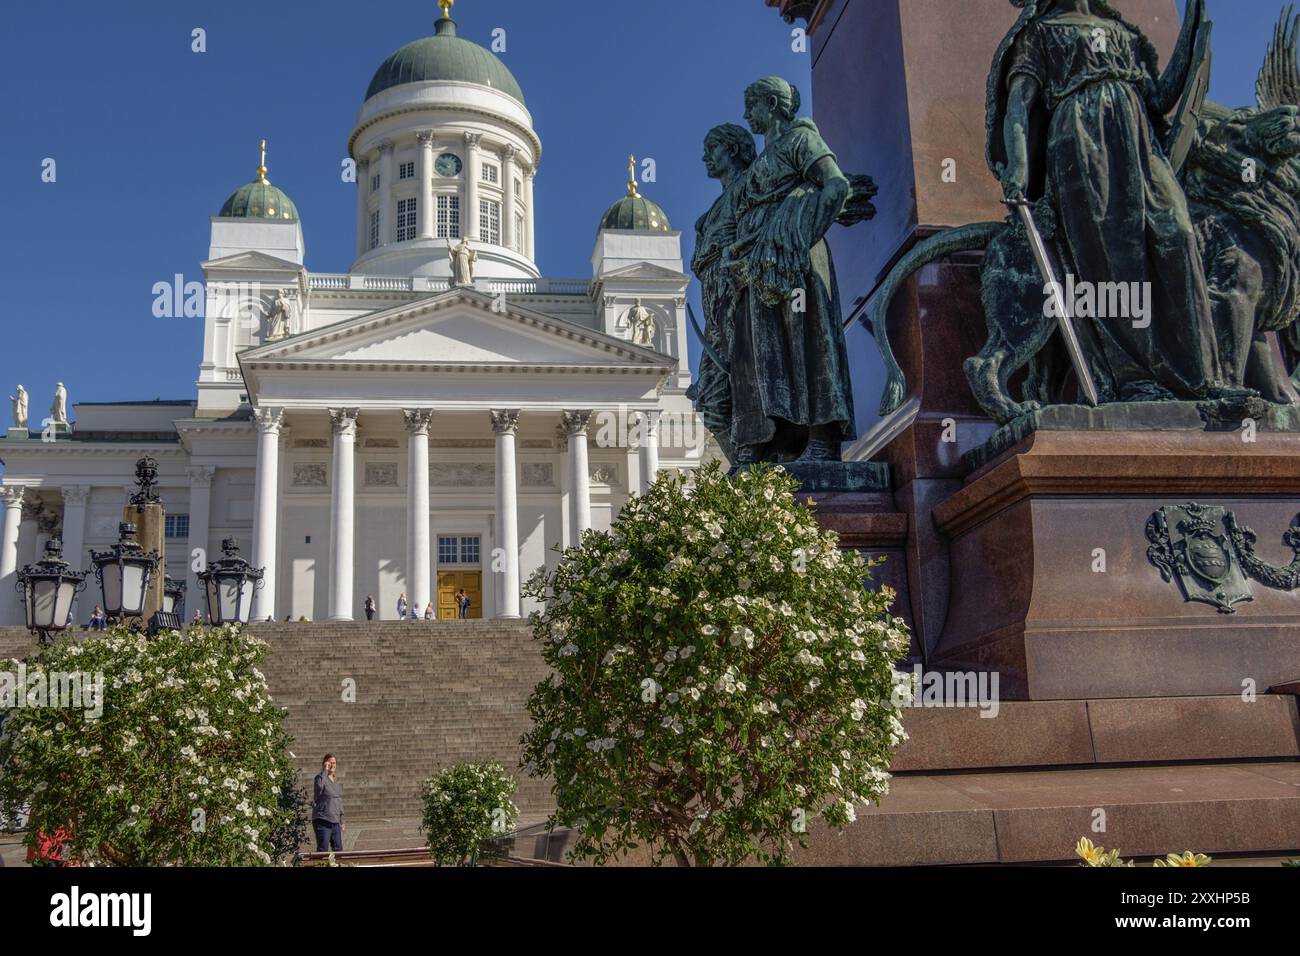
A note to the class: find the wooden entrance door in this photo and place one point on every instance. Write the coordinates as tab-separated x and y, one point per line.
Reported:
449	582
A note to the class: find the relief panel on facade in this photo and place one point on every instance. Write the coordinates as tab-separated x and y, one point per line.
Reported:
309	474
470	474
536	474
603	473
381	474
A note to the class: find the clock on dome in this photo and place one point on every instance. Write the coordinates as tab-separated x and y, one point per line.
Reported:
448	164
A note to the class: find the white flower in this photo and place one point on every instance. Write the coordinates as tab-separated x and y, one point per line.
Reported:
649	690
740	636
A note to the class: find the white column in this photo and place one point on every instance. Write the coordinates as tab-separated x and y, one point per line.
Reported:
344	422
530	214
74	534
649	427
266	508
417	507
424	205
575	428
10	604
469	215
386	184
200	522
504	424
29	534
508	237
363	208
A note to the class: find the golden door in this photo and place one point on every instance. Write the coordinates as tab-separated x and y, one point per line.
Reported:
449	582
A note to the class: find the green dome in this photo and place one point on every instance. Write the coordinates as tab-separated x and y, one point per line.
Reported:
444	56
259	200
636	212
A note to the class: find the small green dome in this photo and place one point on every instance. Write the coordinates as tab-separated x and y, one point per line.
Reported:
259	200
636	212
444	56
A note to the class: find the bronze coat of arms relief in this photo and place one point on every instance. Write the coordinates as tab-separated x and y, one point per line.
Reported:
1213	556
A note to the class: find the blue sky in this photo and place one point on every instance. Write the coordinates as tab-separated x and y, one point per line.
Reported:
150	138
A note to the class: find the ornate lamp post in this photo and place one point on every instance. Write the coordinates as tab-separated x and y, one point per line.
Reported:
174	598
124	572
48	589
229	584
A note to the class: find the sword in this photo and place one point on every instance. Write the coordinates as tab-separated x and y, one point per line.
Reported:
1058	300
708	349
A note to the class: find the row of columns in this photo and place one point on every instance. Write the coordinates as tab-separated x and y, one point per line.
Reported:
270	425
426	210
343	422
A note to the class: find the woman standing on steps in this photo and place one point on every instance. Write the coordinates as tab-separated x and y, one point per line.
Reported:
327	808
402	606
370	607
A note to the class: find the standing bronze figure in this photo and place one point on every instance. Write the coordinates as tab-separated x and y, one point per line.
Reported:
728	153
790	389
1074	101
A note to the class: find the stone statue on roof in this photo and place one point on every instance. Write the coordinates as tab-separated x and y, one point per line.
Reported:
20	407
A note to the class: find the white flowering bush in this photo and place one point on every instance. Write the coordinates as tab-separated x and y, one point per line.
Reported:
187	764
466	805
722	675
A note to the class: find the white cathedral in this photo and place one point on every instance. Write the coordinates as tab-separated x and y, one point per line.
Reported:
440	416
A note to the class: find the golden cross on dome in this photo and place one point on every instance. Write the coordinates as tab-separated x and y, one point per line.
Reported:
631	176
261	169
446	8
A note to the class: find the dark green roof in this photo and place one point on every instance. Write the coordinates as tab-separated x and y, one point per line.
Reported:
259	200
636	212
444	56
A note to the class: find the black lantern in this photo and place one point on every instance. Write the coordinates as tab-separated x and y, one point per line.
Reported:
174	597
48	589
124	572
229	585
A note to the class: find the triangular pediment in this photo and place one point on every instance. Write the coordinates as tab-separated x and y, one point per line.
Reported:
462	327
250	262
644	270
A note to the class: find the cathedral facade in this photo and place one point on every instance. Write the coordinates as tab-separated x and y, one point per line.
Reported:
440	416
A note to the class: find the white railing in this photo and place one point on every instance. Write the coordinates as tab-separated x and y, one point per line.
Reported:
342	280
329	281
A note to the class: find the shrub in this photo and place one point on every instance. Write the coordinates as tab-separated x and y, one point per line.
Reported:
722	675
187	763
466	805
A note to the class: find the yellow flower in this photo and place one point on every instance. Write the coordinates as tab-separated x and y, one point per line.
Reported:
1098	856
1090	854
1187	859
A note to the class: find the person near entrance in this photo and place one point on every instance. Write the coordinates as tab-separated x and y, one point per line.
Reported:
327	808
370	607
463	602
402	605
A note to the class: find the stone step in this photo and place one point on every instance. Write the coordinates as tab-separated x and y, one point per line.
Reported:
976	818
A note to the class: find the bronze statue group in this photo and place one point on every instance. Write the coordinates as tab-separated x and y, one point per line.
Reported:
1127	175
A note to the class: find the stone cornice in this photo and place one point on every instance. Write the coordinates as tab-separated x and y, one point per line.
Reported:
1114	464
100	449
523	132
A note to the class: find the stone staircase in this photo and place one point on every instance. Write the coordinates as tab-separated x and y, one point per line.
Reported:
426	695
1216	774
